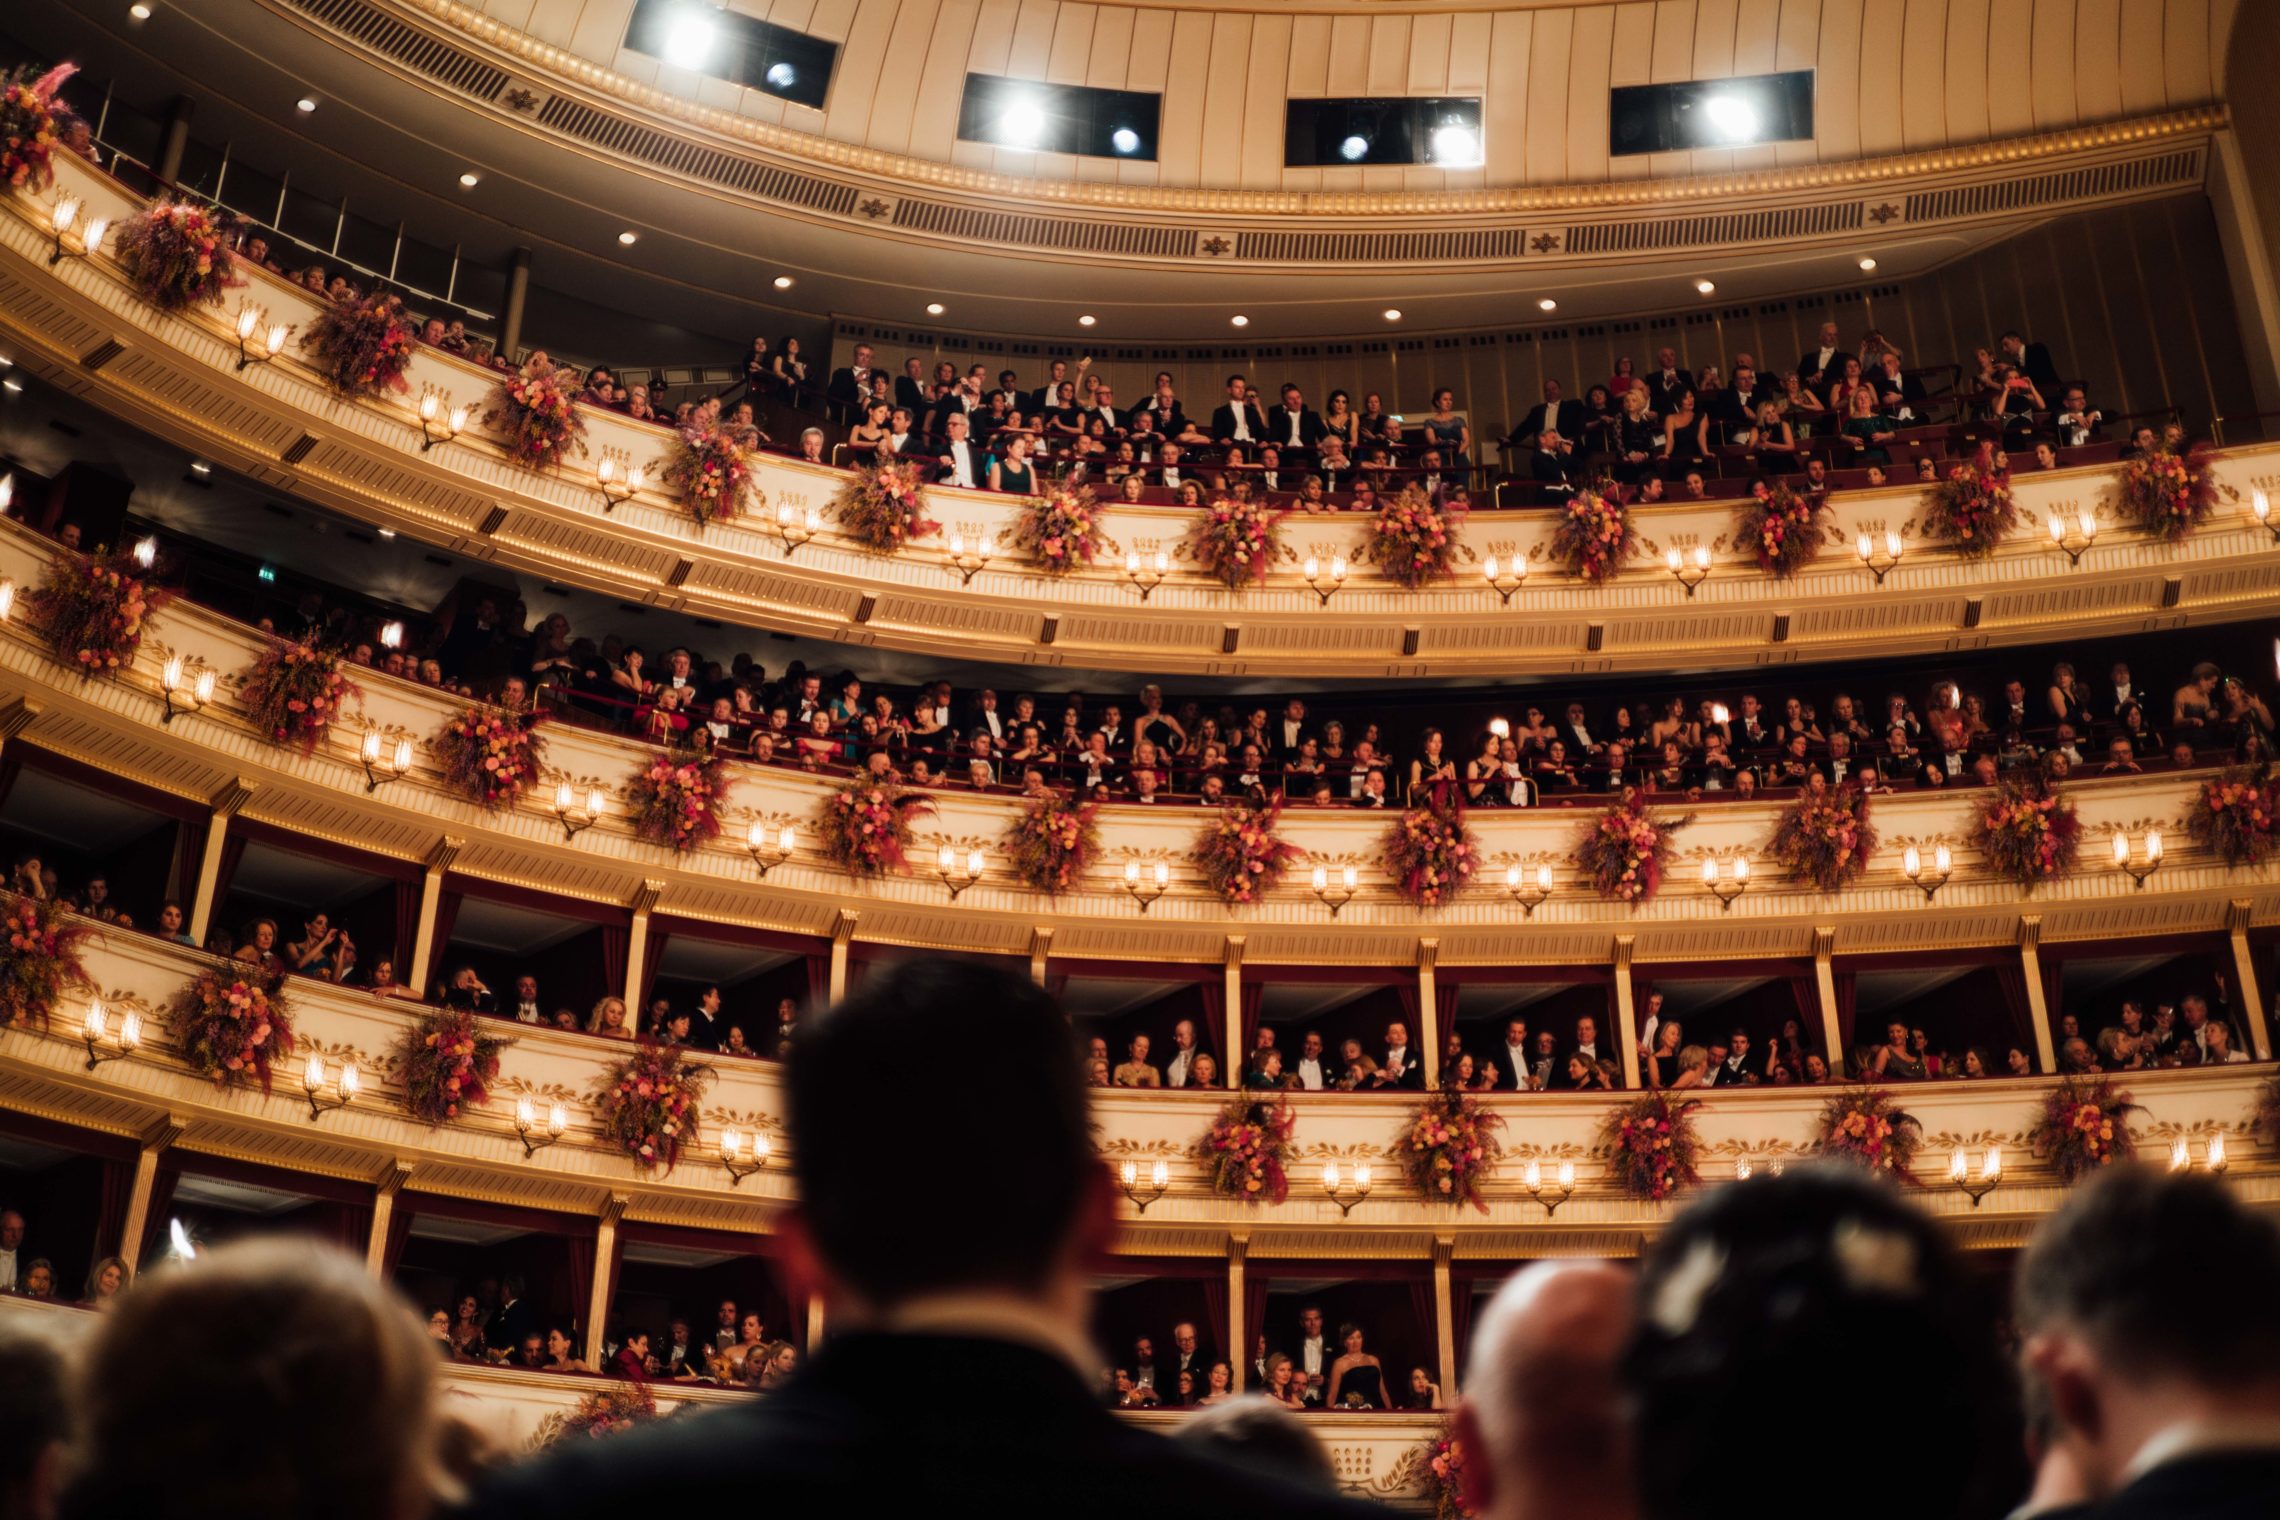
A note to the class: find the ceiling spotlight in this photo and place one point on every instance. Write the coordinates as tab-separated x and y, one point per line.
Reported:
1124	140
783	282
1393	313
467	180
689	40
1547	304
782	76
305	104
200	468
1087	320
1353	148
1456	146
1240	320
629	238
1022	125
1706	287
934	308
1866	265
14	386
139	11
1731	117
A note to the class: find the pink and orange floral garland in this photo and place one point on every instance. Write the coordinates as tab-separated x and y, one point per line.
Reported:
2166	496
447	1063
28	129
491	755
647	1103
363	345
2237	816
1240	854
93	610
1236	541
1061	532
177	253
1653	1148
711	472
1825	838
1051	842
2084	1125
1430	853
2264	1113
865	826
882	508
1860	1125
1971	510
1414	540
1782	528
1626	851
295	692
675	800
1248	1150
2028	832
1593	536
231	1028
1445	1477
1449	1147
40	960
536	417
609	1411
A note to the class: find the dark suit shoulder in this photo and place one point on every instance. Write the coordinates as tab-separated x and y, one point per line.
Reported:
2215	1485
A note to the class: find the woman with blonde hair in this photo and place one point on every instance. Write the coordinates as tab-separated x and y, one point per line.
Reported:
609	1020
106	1280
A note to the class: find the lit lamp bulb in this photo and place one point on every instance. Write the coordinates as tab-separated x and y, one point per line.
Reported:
1500	727
1163	874
2057	530
2121	849
1488	567
1956	1172
732	1144
248	319
2153	845
557	1120
170	674
92	239
275	342
1672	559
564	798
1710	873
974	862
66	212
403	755
7	598
526	1116
1131	567
146	552
314	1077
350	1079
98	1019
392	634
2181	1155
2086	523
1532	1176
595	802
1567	1175
1892	542
427	407
944	857
1741	868
371	748
606	471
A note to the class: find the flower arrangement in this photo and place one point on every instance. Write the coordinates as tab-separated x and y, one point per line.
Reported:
1062	531
2264	1116
1236	541
1248	1150
1783	528
882	508
1859	1124
447	1062
230	1028
1414	540
1430	854
1593	535
177	253
491	755
2084	1125
364	345
93	610
711	471
293	692
608	1411
2166	496
1240	854
1626	851
1971	510
1652	1146
675	800
40	961
1825	839
1449	1147
648	1103
865	826
1051	842
534	412
2237	815
2028	832
28	132
1445	1477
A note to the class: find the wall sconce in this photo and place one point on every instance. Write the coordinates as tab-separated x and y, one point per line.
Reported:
272	342
1532	1178
1334	897
614	490
1530	896
527	1128
965	563
392	634
1342	1193
379	766
769	850
1990	1174
7	599
345	1081
1876	562
1735	882
2138	870
1144	1193
2074	538
453	420
1691	570
575	819
62	218
1927	882
1147	578
1336	582
958	872
2213	1157
185	690
734	1158
792	529
97	1033
1145	889
2260	508
146	552
1505	585
7	490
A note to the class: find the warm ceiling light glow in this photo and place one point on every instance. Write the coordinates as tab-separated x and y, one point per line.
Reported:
1240	320
1022	125
1547	304
1353	148
628	238
1087	320
1731	117
468	180
305	104
1393	313
783	282
139	12
1456	146
689	40
1706	287
1866	265
934	308
1124	140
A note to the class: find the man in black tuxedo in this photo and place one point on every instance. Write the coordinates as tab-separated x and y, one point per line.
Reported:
1587	1044
1513	1059
1403	1064
2032	360
516	1318
1819	369
1550	434
706	1027
911	390
913	1285
1899	393
850	387
1240	420
1294	424
1048	395
961	460
1669	385
2166	1414
1734	1070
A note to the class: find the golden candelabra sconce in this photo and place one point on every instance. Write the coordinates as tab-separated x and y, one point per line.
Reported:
2142	866
1343	1190
966	563
1927	879
1726	886
1988	1179
1145	886
739	1159
1552	1194
187	687
271	343
534	1135
1325	586
1530	892
1147	576
106	1040
383	762
2073	538
1505	582
576	817
62	218
1142	1192
441	422
616	489
330	1087
1879	558
1690	570
770	847
1334	892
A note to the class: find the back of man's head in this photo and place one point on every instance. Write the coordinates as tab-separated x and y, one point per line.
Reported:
1264	1439
887	1230
1542	1420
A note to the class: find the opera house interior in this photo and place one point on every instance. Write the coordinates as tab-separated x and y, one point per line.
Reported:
1600	673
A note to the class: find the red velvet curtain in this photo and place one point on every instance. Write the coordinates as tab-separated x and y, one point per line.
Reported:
1215	1311
1213	995
1254	1000
652	951
1805	992
1254	1303
1611	1031
581	1254
399	1232
161	1206
1445	996
617	944
446	919
2054	989
233	851
407	922
2012	977
111	1212
818	979
1420	1305
1460	1323
1848	994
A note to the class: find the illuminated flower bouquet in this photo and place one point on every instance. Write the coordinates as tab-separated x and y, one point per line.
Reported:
1593	538
2084	1125
1235	541
1240	854
647	1103
490	755
1061	532
1825	840
1970	510
1449	1148
294	692
2264	1115
711	472
2029	833
363	346
1652	1146
2237	816
675	800
1430	854
883	509
1444	1477
1859	1124
93	610
177	253
610	1411
40	961
1782	528
536	418
447	1063
1051	842
230	1028
1248	1150
28	132
1414	540
1626	851
864	827
2165	495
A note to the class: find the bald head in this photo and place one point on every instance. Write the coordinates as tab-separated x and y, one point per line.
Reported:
1542	1418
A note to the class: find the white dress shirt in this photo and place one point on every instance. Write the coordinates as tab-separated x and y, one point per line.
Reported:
1175	1074
1172	476
527	1013
1312	1357
1243	421
962	463
1310	1074
1292	420
8	1278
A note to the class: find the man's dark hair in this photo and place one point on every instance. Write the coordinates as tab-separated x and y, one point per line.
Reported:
2108	1264
891	1233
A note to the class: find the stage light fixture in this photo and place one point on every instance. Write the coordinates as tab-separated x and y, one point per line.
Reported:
1354	148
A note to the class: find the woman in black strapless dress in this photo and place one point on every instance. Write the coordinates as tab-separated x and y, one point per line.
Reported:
1356	1379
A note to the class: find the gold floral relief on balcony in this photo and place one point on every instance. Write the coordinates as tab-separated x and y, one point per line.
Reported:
1123	1145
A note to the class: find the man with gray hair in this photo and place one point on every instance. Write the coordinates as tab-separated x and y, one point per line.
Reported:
1541	1423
